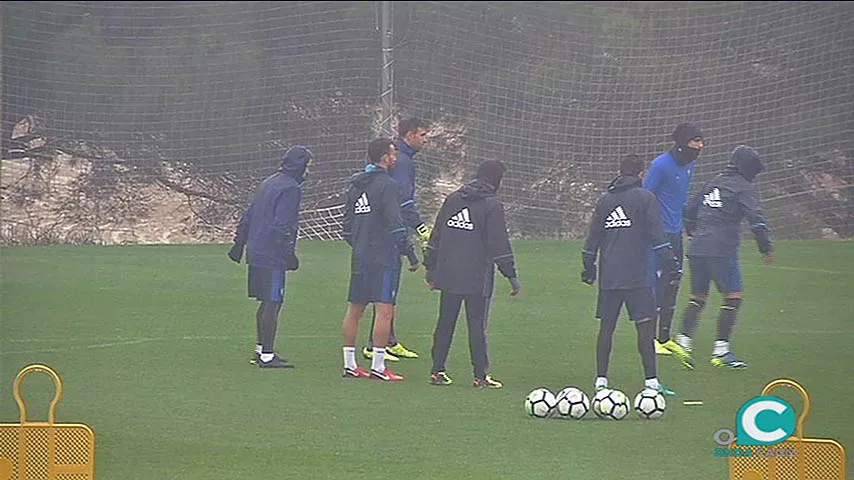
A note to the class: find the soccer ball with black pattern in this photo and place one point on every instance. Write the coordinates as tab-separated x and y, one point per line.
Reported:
650	404
573	403
540	402
611	404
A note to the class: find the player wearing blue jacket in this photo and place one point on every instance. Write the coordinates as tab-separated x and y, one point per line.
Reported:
373	228
268	230
412	133
669	178
625	223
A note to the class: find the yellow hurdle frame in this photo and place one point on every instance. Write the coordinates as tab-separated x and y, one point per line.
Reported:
45	450
814	459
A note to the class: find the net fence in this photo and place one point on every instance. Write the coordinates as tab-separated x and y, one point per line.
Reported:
153	122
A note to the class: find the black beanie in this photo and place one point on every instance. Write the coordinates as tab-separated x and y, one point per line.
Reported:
685	132
491	172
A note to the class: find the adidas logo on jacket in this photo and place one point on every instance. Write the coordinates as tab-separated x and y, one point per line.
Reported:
461	220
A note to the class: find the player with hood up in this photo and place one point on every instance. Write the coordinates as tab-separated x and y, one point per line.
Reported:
468	241
625	223
268	230
713	222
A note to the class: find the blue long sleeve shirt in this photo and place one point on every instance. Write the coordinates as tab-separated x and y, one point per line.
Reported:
670	182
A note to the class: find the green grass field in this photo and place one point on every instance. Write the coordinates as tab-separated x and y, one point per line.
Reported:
153	344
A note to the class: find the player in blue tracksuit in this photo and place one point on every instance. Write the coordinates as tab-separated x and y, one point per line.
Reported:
412	133
669	178
373	228
713	223
268	230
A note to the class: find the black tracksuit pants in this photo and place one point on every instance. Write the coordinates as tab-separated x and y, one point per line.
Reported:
477	314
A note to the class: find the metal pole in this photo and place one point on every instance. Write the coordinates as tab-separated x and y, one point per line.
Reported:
387	73
4	144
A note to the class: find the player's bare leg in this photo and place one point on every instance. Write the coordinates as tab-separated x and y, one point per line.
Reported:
350	329
382	328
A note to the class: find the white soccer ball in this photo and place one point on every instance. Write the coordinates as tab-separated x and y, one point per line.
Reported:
650	404
611	404
540	402
573	403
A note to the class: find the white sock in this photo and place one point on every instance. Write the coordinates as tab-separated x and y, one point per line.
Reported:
379	359
685	341
258	348
721	348
651	383
601	382
266	357
350	358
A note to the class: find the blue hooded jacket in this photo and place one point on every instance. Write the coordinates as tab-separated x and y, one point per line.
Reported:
270	225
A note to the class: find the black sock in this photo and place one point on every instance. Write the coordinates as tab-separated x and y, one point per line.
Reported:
665	320
259	319
691	316
646	332
603	346
269	322
666	306
726	321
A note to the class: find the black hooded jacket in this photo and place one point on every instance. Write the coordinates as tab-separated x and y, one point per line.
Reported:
713	217
270	225
625	223
372	223
469	237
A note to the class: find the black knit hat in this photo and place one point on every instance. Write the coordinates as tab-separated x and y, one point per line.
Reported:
491	172
685	132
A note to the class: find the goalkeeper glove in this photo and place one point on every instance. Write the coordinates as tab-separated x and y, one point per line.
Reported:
423	232
236	252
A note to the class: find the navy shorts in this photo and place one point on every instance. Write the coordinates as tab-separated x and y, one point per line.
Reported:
639	302
267	284
374	287
725	272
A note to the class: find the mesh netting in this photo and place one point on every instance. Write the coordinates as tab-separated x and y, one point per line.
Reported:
155	121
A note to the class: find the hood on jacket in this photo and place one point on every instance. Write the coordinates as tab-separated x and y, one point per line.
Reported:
491	172
745	161
295	162
365	178
624	182
477	189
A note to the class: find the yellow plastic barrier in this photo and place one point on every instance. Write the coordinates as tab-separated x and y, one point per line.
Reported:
796	458
45	450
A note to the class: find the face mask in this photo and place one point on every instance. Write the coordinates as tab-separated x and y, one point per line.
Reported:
685	154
